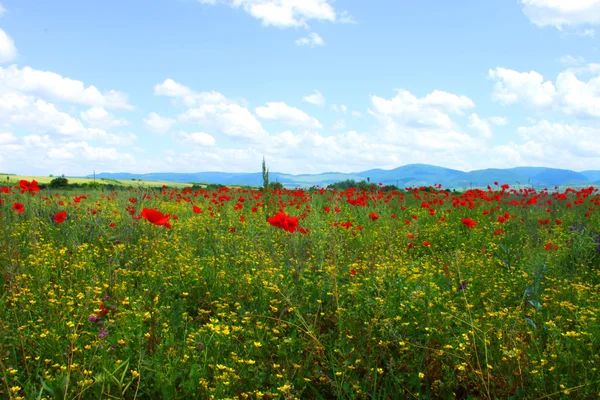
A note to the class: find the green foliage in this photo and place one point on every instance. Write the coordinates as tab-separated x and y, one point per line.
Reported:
265	175
59	182
275	186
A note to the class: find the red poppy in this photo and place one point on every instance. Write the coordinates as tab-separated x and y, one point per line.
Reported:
352	273
18	207
156	217
469	223
284	221
60	217
373	216
26	186
5	189
426	244
197	210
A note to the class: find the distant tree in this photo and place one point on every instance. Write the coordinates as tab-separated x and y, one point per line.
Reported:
265	175
59	182
51	176
275	186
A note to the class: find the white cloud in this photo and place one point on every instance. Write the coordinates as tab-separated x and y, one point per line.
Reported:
560	13
6	137
44	118
569	94
527	87
188	96
159	124
480	126
500	121
568	60
197	138
286	13
279	111
356	114
8	51
312	40
2	10
430	111
316	98
550	145
578	98
579	141
339	108
231	119
52	86
98	117
339	124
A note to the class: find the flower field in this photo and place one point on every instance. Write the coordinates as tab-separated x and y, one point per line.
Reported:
310	294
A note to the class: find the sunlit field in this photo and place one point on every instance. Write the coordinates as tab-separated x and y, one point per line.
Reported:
107	181
157	293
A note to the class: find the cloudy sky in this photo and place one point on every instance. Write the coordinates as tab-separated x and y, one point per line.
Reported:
311	85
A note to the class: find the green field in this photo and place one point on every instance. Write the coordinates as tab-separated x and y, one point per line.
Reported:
46	179
140	293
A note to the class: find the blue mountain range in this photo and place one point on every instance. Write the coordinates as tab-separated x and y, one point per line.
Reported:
407	175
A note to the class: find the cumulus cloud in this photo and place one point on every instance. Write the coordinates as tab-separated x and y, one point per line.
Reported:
568	94
98	117
287	13
339	124
158	124
480	126
312	40
196	139
528	87
188	96
316	98
230	119
280	111
558	13
45	118
500	121
8	51
52	86
339	108
7	137
430	111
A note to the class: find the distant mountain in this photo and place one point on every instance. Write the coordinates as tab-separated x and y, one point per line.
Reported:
407	175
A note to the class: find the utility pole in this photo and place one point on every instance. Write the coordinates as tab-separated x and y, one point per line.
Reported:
94	176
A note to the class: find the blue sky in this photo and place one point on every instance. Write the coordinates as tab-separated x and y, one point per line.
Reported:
311	85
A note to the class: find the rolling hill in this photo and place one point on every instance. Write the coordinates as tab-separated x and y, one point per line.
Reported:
407	175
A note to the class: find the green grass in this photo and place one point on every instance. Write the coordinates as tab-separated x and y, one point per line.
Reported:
45	179
394	299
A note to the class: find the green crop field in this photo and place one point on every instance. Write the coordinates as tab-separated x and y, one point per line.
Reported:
14	179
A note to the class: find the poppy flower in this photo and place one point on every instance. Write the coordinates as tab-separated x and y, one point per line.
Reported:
373	216
18	207
469	223
197	210
5	189
284	221
426	244
26	186
60	217
156	217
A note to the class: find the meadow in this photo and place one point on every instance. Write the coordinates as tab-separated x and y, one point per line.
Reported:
150	292
8	179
